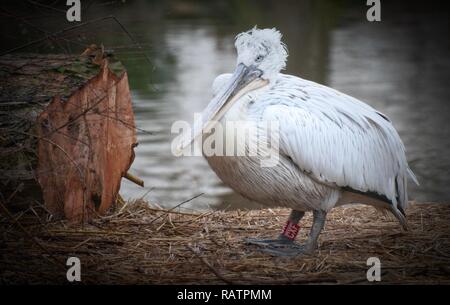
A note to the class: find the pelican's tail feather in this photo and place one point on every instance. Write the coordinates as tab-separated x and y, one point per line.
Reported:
413	176
390	212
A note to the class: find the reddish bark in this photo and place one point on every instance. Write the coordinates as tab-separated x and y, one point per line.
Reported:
85	146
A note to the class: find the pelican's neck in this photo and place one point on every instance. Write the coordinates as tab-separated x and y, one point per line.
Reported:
239	110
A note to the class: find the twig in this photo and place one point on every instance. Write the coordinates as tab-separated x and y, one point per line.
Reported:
57	33
174	212
23	20
83	232
81	243
128	124
134	179
178	205
210	267
124	205
132	38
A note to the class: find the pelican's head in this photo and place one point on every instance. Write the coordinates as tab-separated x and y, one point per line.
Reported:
262	49
261	56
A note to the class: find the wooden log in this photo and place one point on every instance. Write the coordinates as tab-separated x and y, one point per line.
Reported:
68	126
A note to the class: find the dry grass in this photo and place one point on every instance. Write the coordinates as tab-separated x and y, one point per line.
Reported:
141	245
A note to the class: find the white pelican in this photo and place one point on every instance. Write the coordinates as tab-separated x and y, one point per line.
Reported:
333	148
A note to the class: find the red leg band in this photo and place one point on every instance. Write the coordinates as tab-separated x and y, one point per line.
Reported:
290	230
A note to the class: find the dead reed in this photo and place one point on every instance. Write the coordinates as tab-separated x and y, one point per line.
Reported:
140	244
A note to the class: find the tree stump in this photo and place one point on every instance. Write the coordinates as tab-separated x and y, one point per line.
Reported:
67	132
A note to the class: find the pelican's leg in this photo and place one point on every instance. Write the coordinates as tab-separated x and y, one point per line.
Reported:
282	240
317	227
293	249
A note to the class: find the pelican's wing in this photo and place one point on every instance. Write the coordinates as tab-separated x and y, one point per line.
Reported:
220	81
338	139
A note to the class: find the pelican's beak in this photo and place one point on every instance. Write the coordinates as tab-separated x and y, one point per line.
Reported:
244	79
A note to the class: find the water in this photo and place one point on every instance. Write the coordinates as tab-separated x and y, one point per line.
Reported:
400	66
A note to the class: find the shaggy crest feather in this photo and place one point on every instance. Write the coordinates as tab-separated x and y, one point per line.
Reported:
264	49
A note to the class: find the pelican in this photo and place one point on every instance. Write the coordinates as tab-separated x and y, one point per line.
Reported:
333	149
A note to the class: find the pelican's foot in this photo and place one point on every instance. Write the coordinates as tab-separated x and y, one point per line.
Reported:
279	247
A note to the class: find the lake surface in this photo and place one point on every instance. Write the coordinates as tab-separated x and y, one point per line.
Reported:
399	66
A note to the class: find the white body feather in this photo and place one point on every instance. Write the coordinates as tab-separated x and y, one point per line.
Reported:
329	143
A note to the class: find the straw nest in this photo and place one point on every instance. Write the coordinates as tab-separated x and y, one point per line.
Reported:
139	244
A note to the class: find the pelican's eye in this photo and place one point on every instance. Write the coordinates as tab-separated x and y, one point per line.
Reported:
259	58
